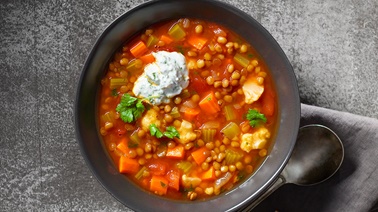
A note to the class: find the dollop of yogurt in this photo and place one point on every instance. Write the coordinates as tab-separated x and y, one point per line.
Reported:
162	79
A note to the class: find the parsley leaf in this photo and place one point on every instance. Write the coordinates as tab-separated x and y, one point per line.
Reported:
130	108
171	132
255	117
154	130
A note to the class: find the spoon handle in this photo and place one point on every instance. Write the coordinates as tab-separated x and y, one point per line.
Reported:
278	183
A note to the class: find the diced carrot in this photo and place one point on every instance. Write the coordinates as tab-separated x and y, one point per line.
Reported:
197	42
200	155
138	49
158	168
209	174
174	179
177	152
209	104
147	58
128	165
166	39
159	185
122	146
191	113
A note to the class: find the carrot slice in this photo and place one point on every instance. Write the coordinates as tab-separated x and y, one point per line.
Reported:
197	42
174	179
190	113
177	152
209	104
159	185
209	174
128	165
138	49
200	155
147	58
166	39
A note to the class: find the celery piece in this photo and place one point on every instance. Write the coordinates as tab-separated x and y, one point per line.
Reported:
134	65
232	157
176	32
229	112
134	140
152	40
208	134
231	130
185	166
241	60
108	117
117	82
140	173
175	113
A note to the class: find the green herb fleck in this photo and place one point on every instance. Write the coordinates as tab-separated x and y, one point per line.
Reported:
163	184
154	130
130	108
255	117
171	132
114	92
250	55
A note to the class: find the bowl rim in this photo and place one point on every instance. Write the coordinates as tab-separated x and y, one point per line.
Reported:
101	177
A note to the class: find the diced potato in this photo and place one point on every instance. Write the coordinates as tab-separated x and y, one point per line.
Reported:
256	140
186	132
151	117
252	90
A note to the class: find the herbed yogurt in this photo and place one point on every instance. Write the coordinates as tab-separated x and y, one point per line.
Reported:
162	79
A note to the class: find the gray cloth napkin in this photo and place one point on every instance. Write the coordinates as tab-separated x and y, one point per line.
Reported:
355	186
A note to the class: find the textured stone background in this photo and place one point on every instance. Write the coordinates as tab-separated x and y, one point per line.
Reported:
332	46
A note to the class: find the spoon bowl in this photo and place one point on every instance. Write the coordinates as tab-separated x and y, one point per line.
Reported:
317	155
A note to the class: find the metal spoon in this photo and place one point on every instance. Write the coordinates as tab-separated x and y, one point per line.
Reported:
317	155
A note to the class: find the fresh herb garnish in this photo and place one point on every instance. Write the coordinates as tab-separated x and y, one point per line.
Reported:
154	130
171	132
130	108
255	117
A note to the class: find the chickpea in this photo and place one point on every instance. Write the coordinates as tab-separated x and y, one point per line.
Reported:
230	68
232	168
200	63
225	83
177	123
249	169
243	48
108	125
167	108
220	157
207	56
254	63
168	118
200	143
171	144
112	146
210	80
124	61
235	144
177	100
218	174
216	165
218	48
235	75
260	80
141	133
226	141
229	44
142	161
139	151
132	153
263	152
192	195
234	82
239	165
205	74
192	54
257	69
210	145
228	98
217	95
262	74
195	98
198	29
209	191
148	148
205	166
247	159
221	40
217	84
189	146
224	169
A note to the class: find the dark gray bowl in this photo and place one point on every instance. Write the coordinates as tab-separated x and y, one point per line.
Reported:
122	29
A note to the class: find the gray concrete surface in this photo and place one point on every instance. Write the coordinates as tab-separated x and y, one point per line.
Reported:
332	45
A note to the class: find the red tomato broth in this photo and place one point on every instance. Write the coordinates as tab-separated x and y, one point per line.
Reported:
150	151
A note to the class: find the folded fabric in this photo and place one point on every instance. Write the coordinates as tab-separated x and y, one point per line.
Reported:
355	186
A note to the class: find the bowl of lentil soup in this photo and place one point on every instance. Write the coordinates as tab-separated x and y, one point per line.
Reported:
181	109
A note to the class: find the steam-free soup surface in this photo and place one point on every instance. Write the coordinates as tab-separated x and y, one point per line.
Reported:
187	109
